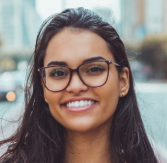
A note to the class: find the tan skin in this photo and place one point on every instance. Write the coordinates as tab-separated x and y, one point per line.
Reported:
87	132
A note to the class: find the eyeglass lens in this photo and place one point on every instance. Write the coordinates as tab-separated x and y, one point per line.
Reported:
93	74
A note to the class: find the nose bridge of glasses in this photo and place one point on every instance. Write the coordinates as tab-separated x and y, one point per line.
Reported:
75	73
72	71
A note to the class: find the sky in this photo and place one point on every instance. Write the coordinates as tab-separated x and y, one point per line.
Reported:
46	8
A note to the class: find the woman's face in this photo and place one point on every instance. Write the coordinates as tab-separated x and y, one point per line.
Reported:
73	47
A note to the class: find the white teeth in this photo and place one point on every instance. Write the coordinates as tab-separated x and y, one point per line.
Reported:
76	104
79	103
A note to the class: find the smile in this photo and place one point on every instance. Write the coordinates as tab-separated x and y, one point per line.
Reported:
79	103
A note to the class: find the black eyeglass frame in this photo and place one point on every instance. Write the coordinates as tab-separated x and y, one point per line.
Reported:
77	71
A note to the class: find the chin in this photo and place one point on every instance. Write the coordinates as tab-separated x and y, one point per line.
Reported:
82	127
79	127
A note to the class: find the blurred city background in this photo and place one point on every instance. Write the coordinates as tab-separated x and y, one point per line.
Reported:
142	25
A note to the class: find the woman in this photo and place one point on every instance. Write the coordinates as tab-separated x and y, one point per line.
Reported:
80	99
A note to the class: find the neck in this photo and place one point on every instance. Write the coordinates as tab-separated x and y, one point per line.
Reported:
92	146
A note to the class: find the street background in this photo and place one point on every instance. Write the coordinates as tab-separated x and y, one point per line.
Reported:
141	24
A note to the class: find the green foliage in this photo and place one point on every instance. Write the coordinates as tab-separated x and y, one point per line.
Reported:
154	53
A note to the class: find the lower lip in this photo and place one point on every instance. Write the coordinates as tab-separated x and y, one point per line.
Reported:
80	109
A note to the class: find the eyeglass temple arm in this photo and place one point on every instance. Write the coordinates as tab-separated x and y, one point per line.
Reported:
122	67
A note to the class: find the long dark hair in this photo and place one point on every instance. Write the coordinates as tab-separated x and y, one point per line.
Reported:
40	138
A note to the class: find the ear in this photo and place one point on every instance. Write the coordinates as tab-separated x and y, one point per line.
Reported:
124	82
44	91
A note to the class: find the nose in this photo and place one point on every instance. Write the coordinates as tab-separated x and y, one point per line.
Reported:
76	85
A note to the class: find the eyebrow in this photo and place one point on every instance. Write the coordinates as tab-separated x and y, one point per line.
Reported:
93	59
64	63
56	63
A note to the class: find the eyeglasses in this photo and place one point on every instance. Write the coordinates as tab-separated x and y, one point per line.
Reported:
93	74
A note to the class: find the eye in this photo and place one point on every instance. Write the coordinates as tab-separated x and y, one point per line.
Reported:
58	73
95	69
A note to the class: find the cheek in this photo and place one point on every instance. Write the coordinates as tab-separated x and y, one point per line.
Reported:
109	96
53	99
111	90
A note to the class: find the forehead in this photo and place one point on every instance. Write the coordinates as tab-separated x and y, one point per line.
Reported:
73	47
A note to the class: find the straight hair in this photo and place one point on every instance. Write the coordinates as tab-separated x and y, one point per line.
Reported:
40	138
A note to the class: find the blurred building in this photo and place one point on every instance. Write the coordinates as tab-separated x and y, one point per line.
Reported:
143	17
19	23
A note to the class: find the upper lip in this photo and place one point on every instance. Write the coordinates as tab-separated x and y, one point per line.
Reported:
78	99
